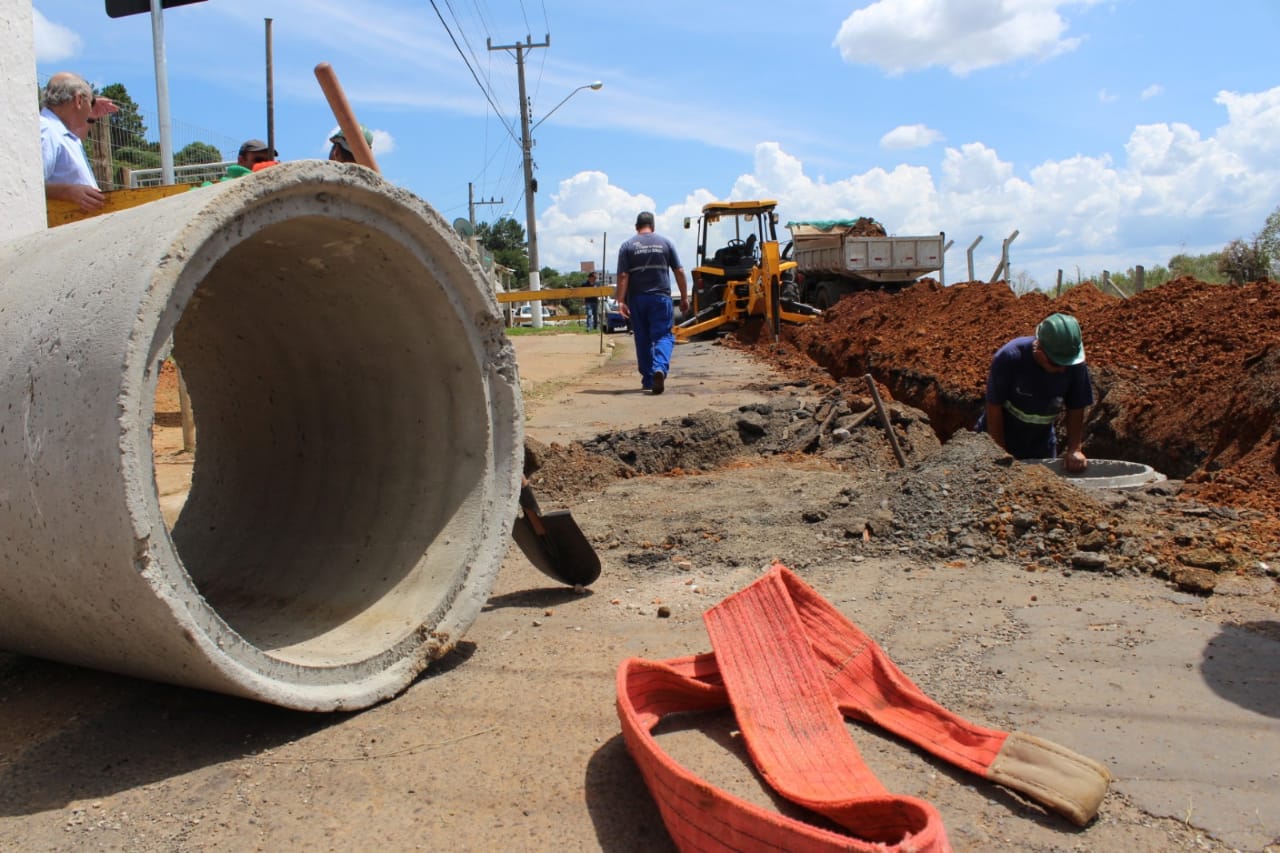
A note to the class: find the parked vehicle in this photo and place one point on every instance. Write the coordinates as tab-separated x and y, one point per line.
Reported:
524	315
838	257
613	320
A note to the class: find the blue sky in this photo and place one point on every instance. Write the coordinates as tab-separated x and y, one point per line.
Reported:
1107	133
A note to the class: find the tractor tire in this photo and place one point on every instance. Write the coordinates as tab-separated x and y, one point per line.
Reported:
826	296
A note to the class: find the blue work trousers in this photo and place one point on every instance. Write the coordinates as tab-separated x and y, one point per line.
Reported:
652	319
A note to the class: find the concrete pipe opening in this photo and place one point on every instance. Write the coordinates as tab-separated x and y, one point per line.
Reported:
359	439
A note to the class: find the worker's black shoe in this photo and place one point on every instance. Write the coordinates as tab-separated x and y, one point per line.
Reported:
659	381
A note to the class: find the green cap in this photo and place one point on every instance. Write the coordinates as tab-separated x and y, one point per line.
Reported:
340	138
1059	337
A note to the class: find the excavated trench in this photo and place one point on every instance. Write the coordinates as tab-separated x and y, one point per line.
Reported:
1186	375
1186	381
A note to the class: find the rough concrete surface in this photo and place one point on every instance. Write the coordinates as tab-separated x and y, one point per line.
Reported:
342	526
514	743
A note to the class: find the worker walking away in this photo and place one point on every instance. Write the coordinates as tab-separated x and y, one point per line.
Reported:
1031	380
644	298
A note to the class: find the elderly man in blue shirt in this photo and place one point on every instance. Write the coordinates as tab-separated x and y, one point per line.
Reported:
68	108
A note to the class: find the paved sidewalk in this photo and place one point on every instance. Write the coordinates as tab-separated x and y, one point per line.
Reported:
573	393
546	358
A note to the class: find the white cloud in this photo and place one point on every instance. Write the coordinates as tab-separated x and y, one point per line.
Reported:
1155	90
1253	127
589	218
54	42
1174	191
383	142
908	136
1106	97
959	35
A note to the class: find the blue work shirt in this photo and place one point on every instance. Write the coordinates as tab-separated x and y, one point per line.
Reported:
1032	398
645	258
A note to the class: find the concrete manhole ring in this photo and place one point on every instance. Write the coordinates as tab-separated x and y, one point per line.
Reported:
1115	474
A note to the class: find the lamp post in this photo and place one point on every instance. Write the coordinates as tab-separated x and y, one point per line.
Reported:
531	186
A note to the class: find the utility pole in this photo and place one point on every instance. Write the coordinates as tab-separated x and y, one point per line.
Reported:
271	96
471	215
162	93
530	185
471	204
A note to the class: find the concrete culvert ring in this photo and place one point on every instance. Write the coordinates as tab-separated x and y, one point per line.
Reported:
1113	474
359	452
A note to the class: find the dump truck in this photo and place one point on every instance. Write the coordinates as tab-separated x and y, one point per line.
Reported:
740	272
837	257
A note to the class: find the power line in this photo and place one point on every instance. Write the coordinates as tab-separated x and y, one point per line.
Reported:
488	82
474	76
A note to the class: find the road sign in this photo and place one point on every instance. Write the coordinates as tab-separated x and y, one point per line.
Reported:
122	8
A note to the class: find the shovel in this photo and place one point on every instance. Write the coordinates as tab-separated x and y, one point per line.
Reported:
554	543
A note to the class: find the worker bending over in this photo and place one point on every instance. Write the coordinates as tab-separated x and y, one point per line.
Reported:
1031	380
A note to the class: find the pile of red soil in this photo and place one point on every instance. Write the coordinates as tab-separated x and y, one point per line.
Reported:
1186	375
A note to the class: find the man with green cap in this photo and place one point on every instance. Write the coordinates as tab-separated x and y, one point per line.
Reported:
1031	380
341	150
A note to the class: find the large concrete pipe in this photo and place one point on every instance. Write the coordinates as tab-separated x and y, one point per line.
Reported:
359	425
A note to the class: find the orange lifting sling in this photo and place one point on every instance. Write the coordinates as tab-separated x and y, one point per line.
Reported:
792	666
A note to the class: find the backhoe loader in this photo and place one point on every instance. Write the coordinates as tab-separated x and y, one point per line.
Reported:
740	273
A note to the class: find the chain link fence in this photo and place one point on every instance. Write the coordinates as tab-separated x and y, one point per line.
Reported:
123	156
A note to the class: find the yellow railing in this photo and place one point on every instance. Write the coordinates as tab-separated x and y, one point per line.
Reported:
555	294
61	212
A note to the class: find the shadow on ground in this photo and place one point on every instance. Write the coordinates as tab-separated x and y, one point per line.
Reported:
95	734
1242	665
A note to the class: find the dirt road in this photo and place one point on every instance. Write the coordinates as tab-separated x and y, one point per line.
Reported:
513	742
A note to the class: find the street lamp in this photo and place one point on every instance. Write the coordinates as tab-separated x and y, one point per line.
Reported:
530	187
596	86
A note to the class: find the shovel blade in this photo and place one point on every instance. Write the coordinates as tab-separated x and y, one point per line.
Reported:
573	559
562	553
534	547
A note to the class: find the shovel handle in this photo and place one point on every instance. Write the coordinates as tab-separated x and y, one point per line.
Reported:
328	79
529	504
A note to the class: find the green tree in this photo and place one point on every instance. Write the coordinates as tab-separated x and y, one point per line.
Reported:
1242	262
1269	241
197	152
144	155
506	233
127	127
1202	267
552	279
505	239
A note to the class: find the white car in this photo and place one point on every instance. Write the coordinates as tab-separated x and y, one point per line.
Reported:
524	316
613	321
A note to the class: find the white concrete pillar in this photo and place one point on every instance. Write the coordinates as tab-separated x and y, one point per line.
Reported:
21	173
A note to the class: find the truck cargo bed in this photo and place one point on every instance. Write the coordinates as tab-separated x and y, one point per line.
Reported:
880	259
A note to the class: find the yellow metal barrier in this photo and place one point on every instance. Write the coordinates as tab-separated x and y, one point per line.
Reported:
555	294
61	212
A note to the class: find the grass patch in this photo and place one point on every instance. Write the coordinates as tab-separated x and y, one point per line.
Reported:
569	328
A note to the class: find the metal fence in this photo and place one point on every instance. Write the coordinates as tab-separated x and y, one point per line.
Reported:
122	159
196	173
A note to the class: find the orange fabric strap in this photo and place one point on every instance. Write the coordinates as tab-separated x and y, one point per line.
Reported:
790	664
